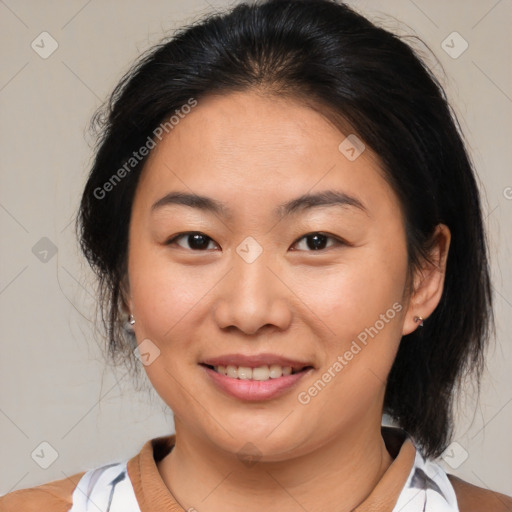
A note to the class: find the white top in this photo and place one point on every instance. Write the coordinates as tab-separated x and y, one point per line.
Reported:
108	488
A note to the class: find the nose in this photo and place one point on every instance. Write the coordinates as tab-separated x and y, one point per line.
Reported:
252	297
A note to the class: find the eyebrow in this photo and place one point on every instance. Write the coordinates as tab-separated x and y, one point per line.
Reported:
301	203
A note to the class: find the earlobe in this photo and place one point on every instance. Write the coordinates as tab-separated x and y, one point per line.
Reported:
419	320
428	282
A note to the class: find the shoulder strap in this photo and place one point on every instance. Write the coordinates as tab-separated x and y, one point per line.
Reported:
472	498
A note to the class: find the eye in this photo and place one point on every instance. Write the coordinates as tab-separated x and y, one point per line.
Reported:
197	241
317	241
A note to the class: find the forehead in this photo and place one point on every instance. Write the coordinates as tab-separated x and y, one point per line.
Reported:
245	146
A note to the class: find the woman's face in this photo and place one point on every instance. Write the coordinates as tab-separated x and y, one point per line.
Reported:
253	284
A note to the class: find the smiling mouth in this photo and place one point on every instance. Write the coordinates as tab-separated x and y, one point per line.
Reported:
260	373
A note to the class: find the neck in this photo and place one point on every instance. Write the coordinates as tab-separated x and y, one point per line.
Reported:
342	471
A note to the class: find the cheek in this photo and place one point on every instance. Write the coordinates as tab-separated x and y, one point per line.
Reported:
366	323
165	294
360	303
165	300
351	296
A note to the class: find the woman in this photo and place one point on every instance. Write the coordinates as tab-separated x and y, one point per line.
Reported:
288	235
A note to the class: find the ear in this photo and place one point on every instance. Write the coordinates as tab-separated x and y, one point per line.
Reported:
126	298
428	281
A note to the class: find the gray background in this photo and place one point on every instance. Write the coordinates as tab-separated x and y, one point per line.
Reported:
54	385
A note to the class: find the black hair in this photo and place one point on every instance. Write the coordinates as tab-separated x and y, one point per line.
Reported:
323	53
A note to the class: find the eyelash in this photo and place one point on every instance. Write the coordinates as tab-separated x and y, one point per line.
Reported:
337	240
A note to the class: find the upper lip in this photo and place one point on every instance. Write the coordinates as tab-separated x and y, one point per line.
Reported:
255	361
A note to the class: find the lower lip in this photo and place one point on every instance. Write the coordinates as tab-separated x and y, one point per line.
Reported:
255	389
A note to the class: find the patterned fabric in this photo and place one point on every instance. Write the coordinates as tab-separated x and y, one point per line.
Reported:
427	489
105	489
109	489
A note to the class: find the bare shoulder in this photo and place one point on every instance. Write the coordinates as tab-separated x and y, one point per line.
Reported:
54	496
472	498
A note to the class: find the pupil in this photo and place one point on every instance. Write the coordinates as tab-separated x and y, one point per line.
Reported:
196	241
319	242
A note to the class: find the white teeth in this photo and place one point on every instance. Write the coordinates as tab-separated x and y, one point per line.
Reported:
275	371
232	371
244	373
260	373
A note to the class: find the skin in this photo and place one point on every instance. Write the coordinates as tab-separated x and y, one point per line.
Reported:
254	152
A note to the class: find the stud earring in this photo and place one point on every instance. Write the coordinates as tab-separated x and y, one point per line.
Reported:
419	319
131	319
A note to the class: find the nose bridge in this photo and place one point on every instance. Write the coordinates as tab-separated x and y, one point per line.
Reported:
251	296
